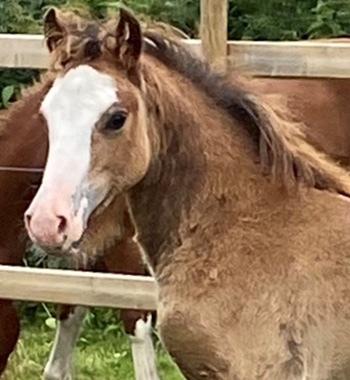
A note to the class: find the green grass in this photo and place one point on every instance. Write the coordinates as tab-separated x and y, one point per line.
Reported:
103	351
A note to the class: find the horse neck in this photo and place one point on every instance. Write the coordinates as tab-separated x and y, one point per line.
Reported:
22	144
202	163
23	131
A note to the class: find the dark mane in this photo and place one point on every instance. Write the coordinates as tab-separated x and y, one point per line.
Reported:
226	95
280	143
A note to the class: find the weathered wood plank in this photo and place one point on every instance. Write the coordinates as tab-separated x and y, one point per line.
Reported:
23	50
78	288
293	59
213	30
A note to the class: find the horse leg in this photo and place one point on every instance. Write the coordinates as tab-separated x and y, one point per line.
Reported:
125	258
11	253
142	348
59	366
9	331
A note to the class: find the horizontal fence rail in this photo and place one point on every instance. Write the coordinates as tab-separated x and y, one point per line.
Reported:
78	288
292	59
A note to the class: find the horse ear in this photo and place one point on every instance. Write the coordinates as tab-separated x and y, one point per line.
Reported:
54	29
128	40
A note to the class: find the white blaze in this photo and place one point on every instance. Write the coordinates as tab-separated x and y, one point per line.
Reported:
72	107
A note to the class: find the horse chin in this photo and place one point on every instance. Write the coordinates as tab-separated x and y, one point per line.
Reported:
82	247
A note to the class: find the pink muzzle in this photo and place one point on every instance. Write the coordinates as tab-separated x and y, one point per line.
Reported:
51	221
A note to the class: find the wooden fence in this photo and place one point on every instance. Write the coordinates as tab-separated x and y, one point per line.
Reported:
292	59
214	29
78	288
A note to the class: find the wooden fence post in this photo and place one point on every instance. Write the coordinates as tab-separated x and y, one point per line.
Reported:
213	30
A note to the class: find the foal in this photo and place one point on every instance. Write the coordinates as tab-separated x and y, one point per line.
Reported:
23	143
242	222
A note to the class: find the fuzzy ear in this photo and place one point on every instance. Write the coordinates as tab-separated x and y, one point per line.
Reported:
54	29
128	41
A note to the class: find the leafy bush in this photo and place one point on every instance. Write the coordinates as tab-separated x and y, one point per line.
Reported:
288	19
12	81
332	18
183	14
14	18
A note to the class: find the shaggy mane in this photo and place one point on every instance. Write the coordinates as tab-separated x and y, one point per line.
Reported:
281	144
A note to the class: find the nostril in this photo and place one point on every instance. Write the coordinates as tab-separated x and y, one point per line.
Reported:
62	225
27	219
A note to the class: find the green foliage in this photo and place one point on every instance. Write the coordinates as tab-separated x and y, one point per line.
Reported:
183	14
6	94
332	18
11	83
288	19
14	18
269	20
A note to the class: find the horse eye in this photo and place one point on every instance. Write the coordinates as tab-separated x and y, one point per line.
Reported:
116	122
